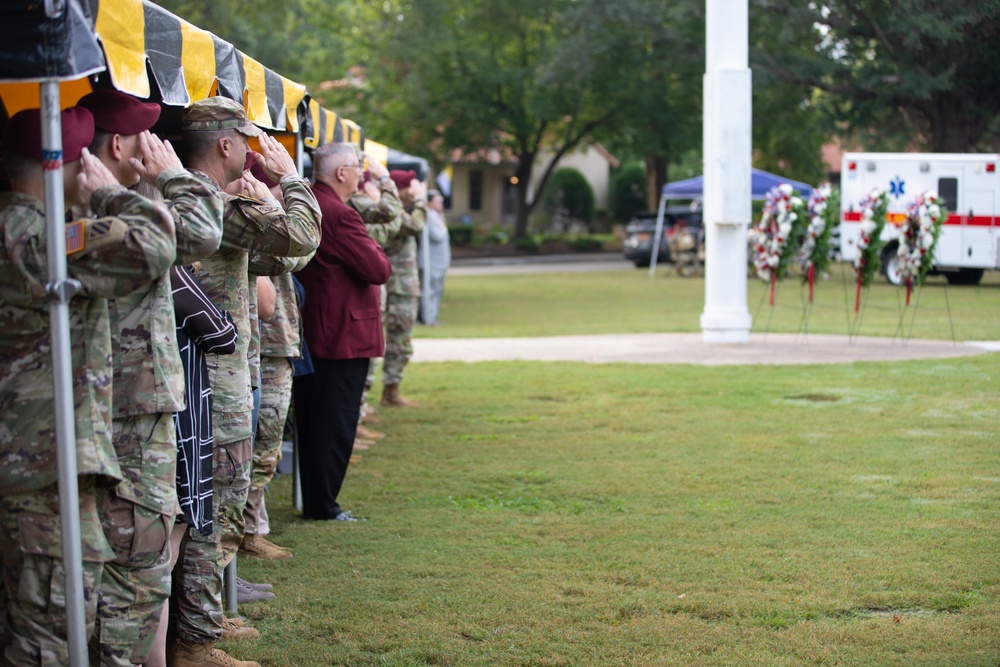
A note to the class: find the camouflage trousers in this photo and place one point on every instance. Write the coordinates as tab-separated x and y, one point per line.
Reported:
137	516
401	314
276	394
197	588
33	596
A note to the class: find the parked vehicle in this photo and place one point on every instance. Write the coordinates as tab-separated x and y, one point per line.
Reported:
968	183
638	244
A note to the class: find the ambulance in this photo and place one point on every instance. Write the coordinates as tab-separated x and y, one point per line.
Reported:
969	184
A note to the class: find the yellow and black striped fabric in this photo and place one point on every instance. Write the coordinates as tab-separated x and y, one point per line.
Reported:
152	54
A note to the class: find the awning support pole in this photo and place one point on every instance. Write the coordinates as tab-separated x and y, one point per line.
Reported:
61	290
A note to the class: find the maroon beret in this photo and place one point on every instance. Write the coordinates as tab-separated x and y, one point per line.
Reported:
119	113
402	178
23	133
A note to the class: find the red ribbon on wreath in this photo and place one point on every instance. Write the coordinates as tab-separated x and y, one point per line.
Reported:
857	296
909	288
812	281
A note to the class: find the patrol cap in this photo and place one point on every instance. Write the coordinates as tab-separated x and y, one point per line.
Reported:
402	178
120	113
217	113
23	133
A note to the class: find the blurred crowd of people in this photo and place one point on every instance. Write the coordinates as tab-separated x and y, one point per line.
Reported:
215	294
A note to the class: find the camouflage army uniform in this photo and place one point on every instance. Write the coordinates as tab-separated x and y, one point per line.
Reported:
148	385
382	221
114	256
250	227
280	342
403	300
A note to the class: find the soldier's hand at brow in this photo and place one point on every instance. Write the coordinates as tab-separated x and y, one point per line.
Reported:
376	168
254	187
372	191
93	175
237	187
274	159
157	157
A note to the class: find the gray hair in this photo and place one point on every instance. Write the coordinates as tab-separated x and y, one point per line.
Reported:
328	157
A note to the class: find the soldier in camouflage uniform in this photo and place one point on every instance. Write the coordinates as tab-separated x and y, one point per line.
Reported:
111	256
379	207
403	288
138	515
215	135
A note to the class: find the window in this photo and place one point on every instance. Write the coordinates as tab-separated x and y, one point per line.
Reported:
948	191
475	190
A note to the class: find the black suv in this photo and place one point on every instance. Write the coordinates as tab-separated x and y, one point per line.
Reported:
641	228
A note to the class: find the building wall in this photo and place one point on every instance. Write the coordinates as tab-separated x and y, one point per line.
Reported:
589	162
496	180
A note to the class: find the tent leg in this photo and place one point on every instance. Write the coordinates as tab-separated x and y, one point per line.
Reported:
61	290
657	236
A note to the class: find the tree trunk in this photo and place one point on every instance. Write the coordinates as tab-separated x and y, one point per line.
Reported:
656	178
523	211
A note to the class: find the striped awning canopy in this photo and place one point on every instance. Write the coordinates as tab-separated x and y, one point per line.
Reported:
153	54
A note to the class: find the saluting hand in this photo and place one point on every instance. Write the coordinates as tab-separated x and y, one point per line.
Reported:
93	175
376	168
254	187
274	159
157	157
371	191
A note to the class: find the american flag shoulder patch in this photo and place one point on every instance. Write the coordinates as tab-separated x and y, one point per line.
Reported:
74	237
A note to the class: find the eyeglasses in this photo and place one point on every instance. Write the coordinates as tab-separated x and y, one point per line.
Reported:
357	166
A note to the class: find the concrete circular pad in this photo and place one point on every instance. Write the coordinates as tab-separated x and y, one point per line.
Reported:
688	348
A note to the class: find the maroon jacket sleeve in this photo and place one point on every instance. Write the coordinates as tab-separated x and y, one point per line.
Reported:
359	254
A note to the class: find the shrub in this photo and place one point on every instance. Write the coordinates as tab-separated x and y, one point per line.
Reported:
628	192
568	193
528	243
460	235
585	244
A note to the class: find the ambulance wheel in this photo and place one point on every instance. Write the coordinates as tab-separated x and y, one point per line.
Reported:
964	277
890	263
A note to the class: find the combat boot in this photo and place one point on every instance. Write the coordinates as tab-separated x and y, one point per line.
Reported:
369	434
234	628
361	445
392	398
258	546
205	655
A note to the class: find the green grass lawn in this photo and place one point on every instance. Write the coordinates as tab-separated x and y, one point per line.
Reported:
534	514
631	302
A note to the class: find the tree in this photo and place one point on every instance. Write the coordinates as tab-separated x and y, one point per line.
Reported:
930	64
521	75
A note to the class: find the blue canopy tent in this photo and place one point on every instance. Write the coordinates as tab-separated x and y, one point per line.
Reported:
760	183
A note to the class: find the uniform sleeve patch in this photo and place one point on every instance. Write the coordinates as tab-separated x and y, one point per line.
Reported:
74	237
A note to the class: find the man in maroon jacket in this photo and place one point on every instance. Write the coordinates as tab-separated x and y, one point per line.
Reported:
343	328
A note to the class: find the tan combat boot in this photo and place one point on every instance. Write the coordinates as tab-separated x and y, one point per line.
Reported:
368	434
204	655
258	546
392	398
235	628
361	444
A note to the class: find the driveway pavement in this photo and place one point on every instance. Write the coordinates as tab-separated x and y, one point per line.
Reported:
688	348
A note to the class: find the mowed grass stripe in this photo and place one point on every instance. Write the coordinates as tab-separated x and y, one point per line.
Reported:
567	514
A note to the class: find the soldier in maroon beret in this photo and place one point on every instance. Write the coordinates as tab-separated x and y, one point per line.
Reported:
119	120
138	516
110	257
